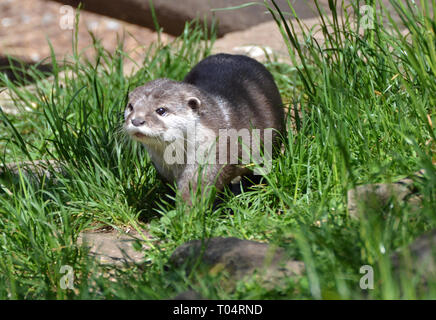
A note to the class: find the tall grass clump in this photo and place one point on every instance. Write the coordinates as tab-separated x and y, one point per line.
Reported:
366	103
98	177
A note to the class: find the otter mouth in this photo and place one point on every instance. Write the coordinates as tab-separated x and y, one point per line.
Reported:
143	137
139	135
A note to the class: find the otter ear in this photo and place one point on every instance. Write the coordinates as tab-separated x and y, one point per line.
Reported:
194	103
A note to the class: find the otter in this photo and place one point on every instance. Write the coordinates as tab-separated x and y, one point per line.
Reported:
224	104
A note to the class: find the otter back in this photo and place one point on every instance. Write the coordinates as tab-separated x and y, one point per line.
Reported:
248	87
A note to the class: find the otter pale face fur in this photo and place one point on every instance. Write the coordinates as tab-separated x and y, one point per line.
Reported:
174	120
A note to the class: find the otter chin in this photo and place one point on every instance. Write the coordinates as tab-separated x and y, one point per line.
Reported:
222	93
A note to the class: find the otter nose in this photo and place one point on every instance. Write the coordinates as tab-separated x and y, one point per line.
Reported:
138	122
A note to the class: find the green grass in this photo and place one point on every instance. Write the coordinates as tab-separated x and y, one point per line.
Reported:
365	99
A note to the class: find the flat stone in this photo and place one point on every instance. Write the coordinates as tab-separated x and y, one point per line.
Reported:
114	247
261	40
36	168
378	195
238	259
419	257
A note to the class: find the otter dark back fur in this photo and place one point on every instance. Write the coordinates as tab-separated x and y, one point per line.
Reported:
248	86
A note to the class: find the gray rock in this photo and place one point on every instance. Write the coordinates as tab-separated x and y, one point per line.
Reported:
32	169
379	195
238	259
172	15
113	247
420	256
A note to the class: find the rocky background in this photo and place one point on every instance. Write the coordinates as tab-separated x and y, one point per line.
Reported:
27	25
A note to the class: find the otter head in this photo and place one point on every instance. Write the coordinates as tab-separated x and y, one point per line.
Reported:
161	111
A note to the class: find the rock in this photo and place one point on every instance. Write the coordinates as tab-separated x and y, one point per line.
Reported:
172	15
419	257
113	247
377	196
261	40
254	42
239	259
32	169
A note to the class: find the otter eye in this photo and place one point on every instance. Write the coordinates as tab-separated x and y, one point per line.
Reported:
129	107
161	111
